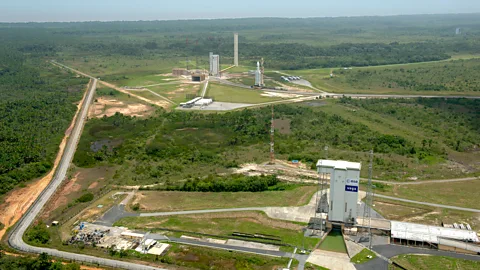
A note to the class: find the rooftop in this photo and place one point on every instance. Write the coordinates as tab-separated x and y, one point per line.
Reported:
431	234
338	164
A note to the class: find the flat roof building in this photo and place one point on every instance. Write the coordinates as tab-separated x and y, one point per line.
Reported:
344	181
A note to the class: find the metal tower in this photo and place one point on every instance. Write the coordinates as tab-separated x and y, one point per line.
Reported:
235	49
367	212
272	133
322	201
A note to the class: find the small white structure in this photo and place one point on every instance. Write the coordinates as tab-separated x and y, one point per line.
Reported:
204	102
132	235
214	64
159	249
258	75
344	181
235	49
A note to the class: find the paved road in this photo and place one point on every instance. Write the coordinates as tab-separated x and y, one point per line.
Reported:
429	204
190	212
153	93
390	251
425	181
205	86
16	235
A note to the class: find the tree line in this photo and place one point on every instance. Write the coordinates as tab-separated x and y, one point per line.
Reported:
36	107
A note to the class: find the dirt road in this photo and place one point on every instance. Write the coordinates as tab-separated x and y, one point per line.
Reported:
19	200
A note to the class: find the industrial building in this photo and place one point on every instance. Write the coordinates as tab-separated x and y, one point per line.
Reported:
214	64
344	181
180	72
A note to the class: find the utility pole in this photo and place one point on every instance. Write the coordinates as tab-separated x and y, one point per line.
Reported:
272	133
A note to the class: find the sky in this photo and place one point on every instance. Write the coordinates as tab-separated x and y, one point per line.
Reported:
133	10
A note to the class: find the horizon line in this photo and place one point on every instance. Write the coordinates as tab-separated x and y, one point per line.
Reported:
241	18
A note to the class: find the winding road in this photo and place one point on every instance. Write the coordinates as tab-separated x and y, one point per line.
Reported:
16	234
15	237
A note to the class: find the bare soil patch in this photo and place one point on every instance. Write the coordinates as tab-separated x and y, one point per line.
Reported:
93	185
108	107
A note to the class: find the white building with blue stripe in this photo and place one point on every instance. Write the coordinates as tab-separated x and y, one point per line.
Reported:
344	185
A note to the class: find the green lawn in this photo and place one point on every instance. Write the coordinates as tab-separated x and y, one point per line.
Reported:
177	200
233	94
361	257
334	242
427	262
224	224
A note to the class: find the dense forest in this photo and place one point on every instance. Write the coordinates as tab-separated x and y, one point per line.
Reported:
454	122
284	43
195	145
43	262
37	99
36	107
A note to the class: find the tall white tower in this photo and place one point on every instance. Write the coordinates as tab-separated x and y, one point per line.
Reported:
258	75
235	49
214	64
344	183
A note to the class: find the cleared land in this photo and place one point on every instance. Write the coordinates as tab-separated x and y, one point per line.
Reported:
463	194
177	92
204	258
233	94
427	262
176	200
434	78
224	224
424	214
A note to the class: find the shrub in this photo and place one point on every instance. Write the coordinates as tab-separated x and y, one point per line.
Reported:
85	198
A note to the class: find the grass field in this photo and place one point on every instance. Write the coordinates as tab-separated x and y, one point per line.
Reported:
449	77
362	256
407	125
233	94
463	194
334	242
177	92
203	258
148	95
423	214
427	262
176	200
224	224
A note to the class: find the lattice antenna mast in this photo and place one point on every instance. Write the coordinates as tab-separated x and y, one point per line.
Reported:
272	143
367	212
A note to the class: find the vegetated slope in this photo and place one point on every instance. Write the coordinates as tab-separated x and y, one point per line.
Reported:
453	123
452	76
180	145
36	107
